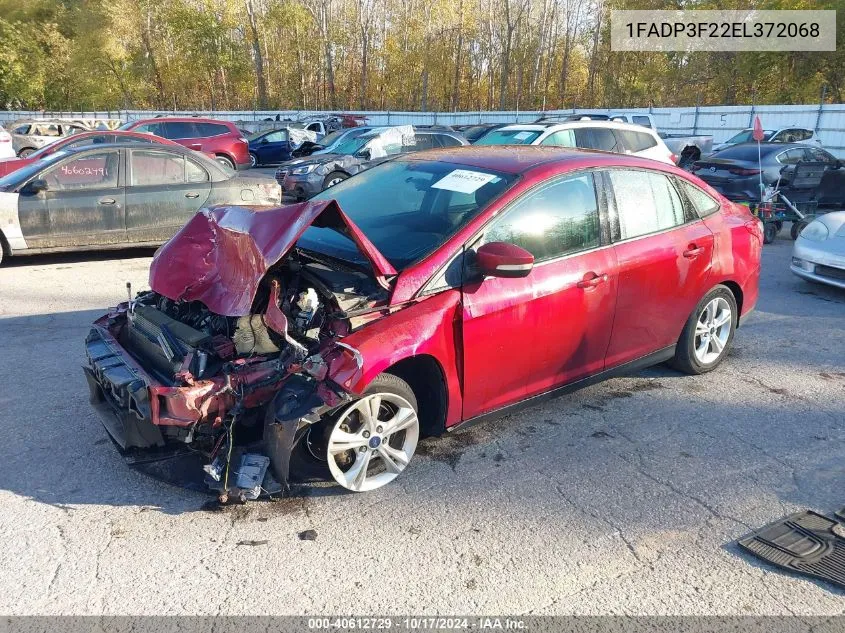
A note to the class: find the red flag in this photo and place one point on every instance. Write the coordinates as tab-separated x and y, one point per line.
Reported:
758	134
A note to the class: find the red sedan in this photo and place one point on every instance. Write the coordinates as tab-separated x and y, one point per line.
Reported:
78	140
429	292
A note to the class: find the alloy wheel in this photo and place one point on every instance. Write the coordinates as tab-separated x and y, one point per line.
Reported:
712	330
334	181
372	441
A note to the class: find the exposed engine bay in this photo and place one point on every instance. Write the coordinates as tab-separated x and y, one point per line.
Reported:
214	377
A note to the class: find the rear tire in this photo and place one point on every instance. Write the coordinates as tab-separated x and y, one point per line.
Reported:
704	342
226	162
26	151
253	160
333	178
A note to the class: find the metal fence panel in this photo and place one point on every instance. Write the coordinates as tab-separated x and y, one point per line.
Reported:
721	122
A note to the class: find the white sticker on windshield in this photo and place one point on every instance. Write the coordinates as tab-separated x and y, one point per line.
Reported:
522	136
463	181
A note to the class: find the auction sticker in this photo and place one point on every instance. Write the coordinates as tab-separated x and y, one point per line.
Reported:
463	181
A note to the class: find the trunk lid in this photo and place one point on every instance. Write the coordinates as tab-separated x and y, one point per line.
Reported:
221	254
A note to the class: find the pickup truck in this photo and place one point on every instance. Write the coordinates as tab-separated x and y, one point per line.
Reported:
688	148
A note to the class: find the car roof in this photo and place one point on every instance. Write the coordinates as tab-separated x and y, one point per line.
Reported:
519	159
570	125
182	119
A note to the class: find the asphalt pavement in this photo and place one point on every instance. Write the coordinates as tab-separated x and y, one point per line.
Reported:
624	498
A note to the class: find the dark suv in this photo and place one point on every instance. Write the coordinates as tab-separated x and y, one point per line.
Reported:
306	177
218	138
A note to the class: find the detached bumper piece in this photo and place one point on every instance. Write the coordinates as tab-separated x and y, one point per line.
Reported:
119	395
806	542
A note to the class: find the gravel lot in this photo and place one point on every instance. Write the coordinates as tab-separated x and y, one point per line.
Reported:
624	498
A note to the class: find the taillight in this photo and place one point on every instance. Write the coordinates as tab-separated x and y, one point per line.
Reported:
673	157
243	140
742	171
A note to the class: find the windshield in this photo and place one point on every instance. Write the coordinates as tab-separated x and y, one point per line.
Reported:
407	208
747	135
330	138
350	146
509	137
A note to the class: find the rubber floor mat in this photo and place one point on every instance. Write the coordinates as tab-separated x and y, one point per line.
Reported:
805	542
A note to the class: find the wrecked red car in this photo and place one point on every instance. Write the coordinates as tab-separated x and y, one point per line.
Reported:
429	292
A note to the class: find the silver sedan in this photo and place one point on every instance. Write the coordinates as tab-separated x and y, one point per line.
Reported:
819	252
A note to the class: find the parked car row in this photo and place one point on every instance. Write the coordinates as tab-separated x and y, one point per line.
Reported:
116	194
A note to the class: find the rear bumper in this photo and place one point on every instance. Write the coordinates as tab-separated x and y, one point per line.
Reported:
304	186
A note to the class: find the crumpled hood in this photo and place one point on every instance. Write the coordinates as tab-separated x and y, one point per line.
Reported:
221	254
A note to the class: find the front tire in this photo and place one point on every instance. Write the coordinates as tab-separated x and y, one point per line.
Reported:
708	333
364	444
25	152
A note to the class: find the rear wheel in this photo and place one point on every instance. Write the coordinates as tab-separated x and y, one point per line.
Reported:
253	160
333	178
708	334
225	161
26	151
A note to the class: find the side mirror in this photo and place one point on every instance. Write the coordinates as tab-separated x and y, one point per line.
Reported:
500	259
264	141
836	165
365	153
34	187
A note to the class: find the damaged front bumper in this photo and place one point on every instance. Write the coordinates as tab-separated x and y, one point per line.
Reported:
156	425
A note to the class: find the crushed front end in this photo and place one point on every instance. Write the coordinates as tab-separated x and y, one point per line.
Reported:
172	379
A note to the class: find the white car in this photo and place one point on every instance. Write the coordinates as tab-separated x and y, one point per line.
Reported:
610	136
6	149
819	251
783	135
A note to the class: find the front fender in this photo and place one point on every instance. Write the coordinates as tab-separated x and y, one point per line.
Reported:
431	326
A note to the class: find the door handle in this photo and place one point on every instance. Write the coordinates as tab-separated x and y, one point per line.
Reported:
195	146
192	195
106	201
693	251
592	282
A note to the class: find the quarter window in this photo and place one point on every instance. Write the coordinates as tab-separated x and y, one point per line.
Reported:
646	202
156	168
701	202
178	129
637	141
195	173
641	120
557	219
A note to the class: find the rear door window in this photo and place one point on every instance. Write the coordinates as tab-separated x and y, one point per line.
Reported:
149	167
209	129
561	138
179	129
646	202
792	156
597	138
